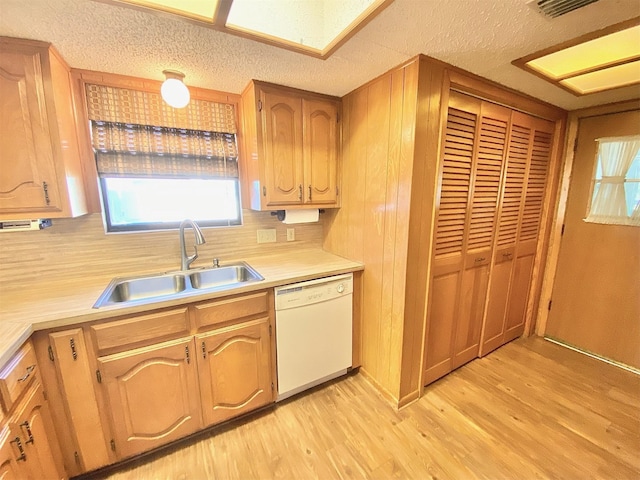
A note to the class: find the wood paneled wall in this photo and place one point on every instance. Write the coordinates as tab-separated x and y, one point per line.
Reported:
373	224
77	248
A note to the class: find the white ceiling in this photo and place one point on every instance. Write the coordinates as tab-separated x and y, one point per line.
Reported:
481	36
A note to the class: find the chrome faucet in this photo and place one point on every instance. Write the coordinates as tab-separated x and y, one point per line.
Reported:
185	260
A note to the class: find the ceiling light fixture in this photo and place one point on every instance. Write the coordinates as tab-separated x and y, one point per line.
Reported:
173	89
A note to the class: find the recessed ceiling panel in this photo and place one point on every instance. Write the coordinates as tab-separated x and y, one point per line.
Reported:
613	77
603	51
203	10
601	61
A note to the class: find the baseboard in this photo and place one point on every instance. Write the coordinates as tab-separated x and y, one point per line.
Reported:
623	366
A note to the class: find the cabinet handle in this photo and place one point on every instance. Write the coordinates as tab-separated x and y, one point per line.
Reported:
480	259
27	427
204	350
18	443
45	187
30	369
72	344
507	255
186	350
300	192
309	192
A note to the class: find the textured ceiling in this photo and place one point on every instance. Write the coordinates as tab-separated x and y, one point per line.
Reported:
481	36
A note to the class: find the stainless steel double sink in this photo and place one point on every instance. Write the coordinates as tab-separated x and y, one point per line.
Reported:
167	286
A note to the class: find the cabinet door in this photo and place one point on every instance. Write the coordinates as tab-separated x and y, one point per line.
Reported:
152	393
12	464
282	143
28	179
33	424
320	151
235	370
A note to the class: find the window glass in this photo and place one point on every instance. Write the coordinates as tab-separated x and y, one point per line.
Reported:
132	203
616	184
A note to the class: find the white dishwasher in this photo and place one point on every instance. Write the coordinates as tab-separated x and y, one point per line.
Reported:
313	332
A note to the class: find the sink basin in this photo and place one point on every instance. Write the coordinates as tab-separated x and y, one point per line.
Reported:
215	277
154	288
147	287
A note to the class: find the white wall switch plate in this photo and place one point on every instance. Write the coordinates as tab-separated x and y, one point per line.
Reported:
267	235
291	234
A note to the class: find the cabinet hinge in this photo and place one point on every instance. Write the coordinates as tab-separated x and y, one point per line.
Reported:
186	351
76	457
259	105
575	145
204	350
99	376
74	353
113	445
270	330
562	230
50	350
264	191
273	387
44	394
549	306
337	191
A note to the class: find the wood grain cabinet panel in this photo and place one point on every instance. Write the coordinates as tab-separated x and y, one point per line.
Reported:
320	132
10	467
235	370
152	394
40	172
17	375
292	139
32	424
218	312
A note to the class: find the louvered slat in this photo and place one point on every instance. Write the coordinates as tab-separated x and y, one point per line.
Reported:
456	175
514	185
536	181
490	153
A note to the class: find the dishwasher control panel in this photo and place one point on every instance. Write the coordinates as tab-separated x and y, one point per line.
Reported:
313	291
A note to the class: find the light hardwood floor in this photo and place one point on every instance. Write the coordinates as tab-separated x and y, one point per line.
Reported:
531	409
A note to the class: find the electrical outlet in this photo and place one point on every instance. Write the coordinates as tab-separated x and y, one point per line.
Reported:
267	235
291	234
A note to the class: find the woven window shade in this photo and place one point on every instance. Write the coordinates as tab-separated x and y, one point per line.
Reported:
135	133
120	105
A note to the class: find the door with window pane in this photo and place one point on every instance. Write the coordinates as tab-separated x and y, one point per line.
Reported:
596	294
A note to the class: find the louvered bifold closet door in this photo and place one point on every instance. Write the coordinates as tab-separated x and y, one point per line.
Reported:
529	231
458	149
520	212
480	230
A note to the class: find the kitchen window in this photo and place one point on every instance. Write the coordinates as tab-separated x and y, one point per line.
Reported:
615	195
158	165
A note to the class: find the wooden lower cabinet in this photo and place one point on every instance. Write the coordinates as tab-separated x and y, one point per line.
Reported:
152	393
12	466
33	425
235	370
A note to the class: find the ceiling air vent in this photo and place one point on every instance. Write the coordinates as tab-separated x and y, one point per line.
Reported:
555	8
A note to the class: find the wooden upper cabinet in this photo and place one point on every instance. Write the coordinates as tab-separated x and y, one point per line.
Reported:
291	147
282	120
40	172
152	394
320	135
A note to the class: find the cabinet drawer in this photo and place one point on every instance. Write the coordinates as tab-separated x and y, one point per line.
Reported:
16	376
235	308
140	330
